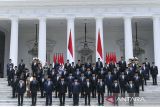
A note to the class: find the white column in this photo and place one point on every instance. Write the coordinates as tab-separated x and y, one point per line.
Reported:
14	41
42	40
99	30
70	30
156	39
128	38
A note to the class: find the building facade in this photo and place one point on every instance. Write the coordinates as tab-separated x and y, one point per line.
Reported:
114	20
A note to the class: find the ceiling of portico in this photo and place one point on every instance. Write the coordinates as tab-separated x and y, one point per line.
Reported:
60	25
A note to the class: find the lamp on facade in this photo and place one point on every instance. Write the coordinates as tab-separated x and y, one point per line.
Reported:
34	49
137	50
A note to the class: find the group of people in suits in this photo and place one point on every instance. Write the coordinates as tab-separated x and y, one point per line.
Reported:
80	80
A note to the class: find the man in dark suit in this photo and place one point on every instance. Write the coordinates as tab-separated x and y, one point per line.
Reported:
136	81
21	67
9	64
146	72
109	82
34	67
76	89
88	73
21	88
115	91
122	64
99	64
67	66
131	92
56	66
70	80
94	85
141	75
56	81
82	81
79	65
112	66
34	85
62	89
100	91
154	73
122	82
88	64
48	87
88	90
147	64
11	74
14	84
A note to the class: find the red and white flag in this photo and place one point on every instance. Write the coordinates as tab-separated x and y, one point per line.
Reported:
70	48
99	46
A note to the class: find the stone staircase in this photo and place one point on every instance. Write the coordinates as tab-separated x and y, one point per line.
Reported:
151	96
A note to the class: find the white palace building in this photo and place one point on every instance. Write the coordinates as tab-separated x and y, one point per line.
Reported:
119	26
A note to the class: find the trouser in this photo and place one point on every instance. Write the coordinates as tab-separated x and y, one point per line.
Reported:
100	98
122	90
82	92
109	90
115	98
137	91
75	99
87	96
94	92
145	81
154	80
48	99
42	93
142	83
131	99
13	92
20	99
56	93
62	98
34	98
69	92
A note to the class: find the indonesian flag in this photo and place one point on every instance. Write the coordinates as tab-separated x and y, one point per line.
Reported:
70	47
99	50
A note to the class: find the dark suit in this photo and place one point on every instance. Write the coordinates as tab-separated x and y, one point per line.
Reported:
115	91
122	65
67	66
34	68
62	89
146	76
76	89
14	84
69	85
100	91
137	84
99	65
111	67
154	73
94	86
82	82
34	88
11	74
21	68
122	82
131	91
87	65
109	82
88	90
48	89
21	88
